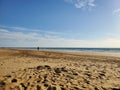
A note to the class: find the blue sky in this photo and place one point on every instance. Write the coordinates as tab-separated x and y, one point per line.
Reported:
60	23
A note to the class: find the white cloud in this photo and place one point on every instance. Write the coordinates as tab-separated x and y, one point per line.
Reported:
21	29
117	12
8	38
91	3
82	3
3	30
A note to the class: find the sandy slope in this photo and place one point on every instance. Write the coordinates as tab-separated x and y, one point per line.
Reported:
48	70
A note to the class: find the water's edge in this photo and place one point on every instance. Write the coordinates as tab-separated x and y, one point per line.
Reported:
104	50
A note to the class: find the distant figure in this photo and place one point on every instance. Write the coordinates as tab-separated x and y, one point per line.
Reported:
37	48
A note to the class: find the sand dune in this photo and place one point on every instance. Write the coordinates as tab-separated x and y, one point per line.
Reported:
48	70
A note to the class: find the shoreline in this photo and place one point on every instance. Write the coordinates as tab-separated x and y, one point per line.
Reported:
111	54
87	53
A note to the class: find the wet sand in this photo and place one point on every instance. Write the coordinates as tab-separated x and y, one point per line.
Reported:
50	70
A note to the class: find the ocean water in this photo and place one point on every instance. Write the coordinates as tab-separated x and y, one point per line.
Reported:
103	50
91	50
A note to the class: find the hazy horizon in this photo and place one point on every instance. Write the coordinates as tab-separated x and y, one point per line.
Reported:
60	23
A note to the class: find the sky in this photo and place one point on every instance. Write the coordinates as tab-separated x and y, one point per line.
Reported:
60	23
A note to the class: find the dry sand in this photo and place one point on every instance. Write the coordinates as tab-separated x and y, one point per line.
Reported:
48	70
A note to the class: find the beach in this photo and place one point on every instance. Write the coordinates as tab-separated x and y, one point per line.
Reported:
53	70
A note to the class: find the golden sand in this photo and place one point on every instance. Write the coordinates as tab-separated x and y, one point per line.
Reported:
50	70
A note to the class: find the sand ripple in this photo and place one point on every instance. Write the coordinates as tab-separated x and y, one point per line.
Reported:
57	78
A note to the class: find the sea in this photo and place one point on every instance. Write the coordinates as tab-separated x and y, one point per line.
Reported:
92	50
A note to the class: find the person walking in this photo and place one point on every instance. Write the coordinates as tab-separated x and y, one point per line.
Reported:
38	48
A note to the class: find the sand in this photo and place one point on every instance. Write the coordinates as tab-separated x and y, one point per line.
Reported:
50	70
